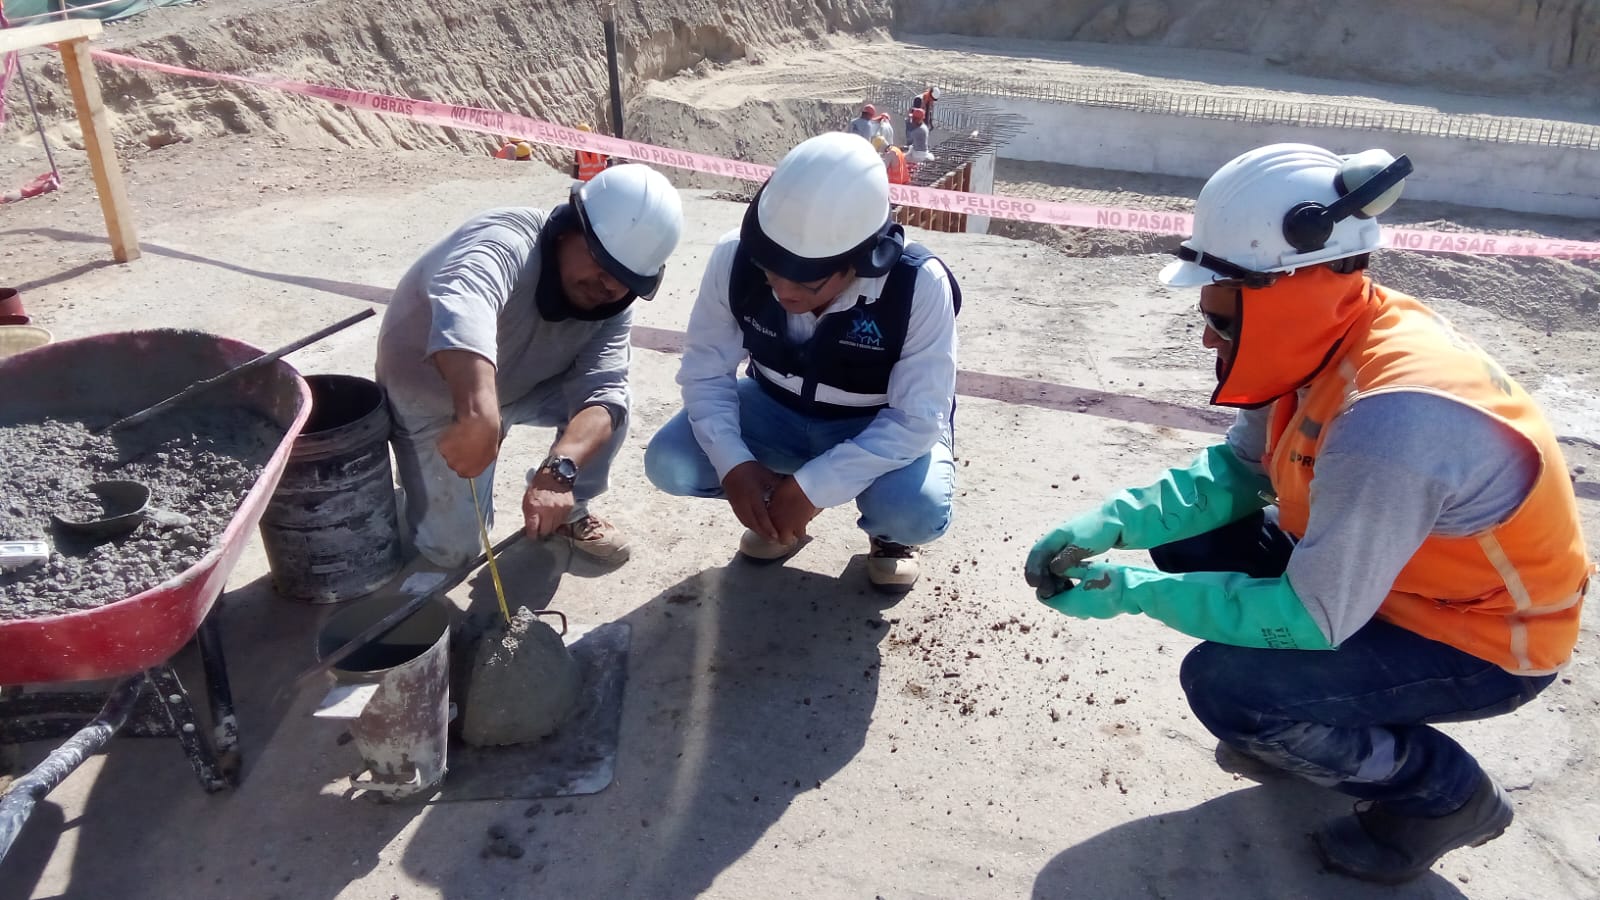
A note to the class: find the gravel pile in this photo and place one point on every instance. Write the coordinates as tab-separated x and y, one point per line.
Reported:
198	462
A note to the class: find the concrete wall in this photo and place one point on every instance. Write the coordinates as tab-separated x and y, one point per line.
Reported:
1525	178
982	183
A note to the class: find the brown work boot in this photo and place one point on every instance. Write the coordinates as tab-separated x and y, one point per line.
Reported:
893	568
1377	845
761	551
597	539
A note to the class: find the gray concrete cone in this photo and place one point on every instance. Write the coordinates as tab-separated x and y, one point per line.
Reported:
523	684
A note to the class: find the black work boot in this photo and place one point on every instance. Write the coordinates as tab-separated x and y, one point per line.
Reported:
1375	845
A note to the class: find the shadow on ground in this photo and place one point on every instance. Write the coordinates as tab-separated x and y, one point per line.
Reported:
747	687
149	830
1235	847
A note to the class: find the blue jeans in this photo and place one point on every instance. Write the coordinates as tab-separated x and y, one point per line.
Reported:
910	505
1353	719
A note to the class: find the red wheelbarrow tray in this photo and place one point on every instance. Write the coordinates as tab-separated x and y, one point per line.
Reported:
119	374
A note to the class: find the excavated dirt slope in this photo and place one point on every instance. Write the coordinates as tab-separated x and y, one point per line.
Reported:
544	58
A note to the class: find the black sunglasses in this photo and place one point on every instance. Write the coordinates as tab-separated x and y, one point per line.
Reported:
1226	327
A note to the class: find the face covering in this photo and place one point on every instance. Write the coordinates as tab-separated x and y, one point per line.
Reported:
1288	332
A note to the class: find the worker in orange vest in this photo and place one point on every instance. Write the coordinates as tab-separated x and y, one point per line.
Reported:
588	163
518	150
894	160
1387	538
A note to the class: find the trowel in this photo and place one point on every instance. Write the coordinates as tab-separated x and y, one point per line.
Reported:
124	506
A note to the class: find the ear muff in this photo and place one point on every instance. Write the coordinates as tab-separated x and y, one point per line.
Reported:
878	254
1308	226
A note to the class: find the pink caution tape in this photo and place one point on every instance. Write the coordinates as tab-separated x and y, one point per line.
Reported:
495	122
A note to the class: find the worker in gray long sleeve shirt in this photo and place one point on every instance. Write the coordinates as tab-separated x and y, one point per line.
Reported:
518	317
1388	537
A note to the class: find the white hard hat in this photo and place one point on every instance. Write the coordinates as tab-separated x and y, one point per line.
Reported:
632	220
1284	206
825	208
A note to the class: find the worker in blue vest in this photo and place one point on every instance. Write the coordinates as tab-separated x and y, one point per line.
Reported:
850	336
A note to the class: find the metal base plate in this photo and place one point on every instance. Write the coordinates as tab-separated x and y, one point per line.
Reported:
580	758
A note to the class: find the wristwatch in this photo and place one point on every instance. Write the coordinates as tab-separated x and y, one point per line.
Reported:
561	468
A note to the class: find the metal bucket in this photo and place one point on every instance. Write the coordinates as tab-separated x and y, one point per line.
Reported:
395	692
332	531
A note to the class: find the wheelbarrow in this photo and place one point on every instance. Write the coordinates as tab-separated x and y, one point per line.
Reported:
133	640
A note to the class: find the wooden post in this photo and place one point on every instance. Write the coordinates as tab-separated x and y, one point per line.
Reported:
71	38
86	99
608	19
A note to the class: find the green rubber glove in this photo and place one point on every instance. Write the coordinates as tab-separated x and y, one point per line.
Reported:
1213	491
1226	607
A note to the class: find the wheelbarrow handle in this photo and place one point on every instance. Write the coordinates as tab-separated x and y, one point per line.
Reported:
381	627
147	413
17	803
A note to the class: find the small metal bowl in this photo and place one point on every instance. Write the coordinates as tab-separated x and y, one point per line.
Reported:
125	504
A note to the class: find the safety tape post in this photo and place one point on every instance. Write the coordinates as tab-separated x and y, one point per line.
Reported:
496	122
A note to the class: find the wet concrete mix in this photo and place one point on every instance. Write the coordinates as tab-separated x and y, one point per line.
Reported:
199	463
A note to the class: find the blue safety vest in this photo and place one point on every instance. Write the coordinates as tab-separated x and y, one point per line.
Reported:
843	369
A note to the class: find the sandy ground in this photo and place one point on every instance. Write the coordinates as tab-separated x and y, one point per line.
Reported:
786	732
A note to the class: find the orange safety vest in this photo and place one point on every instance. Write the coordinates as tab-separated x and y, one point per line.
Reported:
1510	594
590	164
895	162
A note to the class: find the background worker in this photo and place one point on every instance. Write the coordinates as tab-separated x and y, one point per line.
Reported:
1421	561
894	162
518	317
588	163
917	140
518	150
863	126
929	96
916	104
883	128
850	337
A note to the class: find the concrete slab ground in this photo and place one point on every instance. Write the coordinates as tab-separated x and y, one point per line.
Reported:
786	732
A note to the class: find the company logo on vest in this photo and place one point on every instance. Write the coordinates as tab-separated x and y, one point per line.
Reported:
864	332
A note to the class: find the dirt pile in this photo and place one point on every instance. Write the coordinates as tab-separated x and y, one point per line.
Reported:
1545	294
756	130
1456	45
544	58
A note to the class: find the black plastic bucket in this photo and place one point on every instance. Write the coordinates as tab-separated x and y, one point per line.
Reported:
331	531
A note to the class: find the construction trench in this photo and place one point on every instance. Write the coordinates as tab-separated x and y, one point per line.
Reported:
787	731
